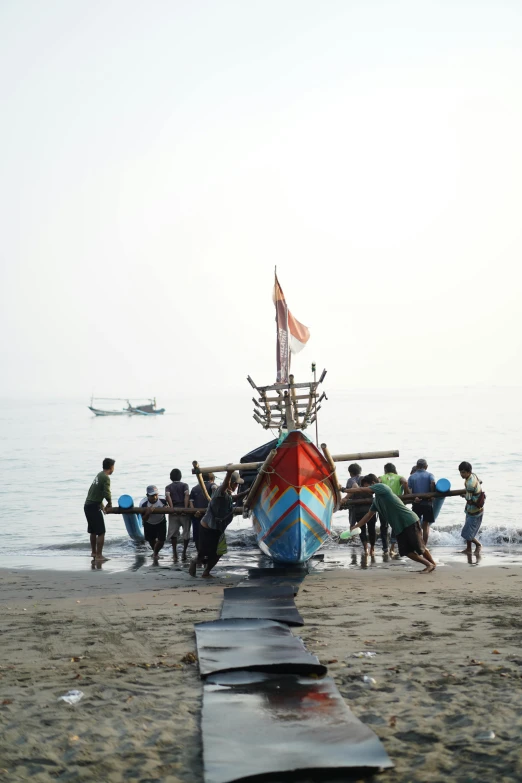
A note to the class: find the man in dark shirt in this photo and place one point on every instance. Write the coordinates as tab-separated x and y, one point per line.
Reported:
177	495
198	499
212	542
99	490
419	482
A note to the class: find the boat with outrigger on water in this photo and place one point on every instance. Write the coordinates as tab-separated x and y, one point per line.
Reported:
141	409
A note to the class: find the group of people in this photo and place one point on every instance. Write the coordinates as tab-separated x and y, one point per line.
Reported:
214	509
410	528
213	506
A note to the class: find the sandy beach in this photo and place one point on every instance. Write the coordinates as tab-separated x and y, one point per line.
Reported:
447	669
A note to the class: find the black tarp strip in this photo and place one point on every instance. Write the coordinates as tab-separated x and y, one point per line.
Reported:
255	645
261	603
279	724
292	575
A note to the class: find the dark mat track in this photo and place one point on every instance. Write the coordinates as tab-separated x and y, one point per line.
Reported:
277	725
261	603
254	645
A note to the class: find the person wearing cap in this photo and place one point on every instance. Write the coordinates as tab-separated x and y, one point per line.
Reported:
218	516
177	494
419	482
154	525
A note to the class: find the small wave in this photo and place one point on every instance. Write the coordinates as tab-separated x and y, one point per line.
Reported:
81	545
241	539
450	536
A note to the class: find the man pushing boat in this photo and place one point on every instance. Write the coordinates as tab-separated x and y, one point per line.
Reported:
403	522
219	515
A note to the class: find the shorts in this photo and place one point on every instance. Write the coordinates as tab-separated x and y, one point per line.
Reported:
177	521
155	532
472	526
95	519
212	543
410	540
424	511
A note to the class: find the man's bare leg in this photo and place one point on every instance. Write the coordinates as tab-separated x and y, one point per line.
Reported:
158	546
425	531
430	566
174	542
466	551
93	544
478	545
100	540
212	561
427	555
185	547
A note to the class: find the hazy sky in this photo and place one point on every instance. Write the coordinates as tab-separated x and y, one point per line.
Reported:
159	158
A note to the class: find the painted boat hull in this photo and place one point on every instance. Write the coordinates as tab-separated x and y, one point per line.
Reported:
98	412
292	513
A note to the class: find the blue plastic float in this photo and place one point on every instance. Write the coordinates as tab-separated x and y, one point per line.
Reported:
442	485
133	522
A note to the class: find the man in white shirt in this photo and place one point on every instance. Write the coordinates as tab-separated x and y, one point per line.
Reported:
154	525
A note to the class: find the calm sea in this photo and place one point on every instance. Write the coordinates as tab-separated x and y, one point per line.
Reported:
52	449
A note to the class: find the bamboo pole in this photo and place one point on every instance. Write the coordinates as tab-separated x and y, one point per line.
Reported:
200	479
335	457
330	461
282	386
165	510
294	401
364	455
258	479
348	503
297	397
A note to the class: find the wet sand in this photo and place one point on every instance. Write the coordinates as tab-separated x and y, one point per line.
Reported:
448	668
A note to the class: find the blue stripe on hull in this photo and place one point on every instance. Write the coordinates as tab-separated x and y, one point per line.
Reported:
293	528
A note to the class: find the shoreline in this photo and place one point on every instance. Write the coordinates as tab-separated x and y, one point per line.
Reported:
240	559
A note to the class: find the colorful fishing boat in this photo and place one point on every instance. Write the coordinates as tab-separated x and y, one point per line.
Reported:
292	513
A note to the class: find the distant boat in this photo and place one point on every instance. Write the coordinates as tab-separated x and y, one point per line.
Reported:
146	409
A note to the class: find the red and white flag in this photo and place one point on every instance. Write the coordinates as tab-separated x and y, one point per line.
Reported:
292	335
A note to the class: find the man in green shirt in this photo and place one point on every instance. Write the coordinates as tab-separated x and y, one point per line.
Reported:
99	491
404	524
399	486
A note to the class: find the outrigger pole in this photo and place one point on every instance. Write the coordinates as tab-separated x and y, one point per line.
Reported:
359	455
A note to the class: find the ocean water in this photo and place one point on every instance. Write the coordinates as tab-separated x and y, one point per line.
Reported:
52	449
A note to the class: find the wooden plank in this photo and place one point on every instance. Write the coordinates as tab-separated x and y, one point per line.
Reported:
277	386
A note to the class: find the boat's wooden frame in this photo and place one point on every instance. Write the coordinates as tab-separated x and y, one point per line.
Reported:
296	491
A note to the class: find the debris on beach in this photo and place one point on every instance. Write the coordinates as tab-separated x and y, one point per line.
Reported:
190	657
485	736
72	697
364	654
